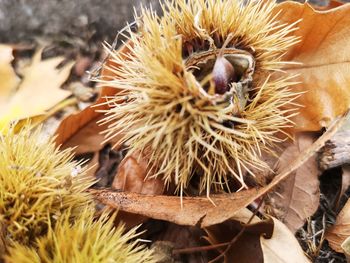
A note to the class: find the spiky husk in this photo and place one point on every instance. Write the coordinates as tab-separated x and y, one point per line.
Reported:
164	111
83	240
37	183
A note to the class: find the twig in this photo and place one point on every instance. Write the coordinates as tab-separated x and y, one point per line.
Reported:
235	238
191	250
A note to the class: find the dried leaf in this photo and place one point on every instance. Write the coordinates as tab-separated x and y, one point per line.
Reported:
324	51
8	77
132	177
337	234
39	90
87	139
297	198
346	248
195	211
282	247
200	211
73	123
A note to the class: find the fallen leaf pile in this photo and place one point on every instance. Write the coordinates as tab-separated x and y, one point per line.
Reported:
252	225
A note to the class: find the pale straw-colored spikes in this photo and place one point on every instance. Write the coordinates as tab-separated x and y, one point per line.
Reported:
169	116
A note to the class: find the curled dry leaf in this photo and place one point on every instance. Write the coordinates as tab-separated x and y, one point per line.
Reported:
73	123
324	53
132	177
39	90
195	211
297	198
282	247
337	234
87	139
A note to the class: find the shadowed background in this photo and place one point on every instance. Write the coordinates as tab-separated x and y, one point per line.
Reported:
84	19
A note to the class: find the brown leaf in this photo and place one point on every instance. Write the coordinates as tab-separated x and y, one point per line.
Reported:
282	247
131	177
337	234
324	51
87	139
297	198
199	210
73	123
196	211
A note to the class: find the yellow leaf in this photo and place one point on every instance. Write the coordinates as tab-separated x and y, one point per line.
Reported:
8	77
39	90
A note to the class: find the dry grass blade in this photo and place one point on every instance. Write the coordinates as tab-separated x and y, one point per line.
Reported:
165	107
